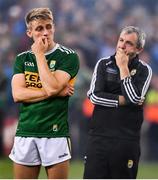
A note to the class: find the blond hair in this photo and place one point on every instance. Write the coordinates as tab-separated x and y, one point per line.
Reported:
38	13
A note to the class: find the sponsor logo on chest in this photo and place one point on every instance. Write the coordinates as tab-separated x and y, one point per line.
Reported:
32	80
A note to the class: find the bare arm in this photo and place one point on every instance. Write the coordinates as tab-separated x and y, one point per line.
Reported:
22	94
53	83
67	91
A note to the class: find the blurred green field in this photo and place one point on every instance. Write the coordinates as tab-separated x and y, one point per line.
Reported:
146	170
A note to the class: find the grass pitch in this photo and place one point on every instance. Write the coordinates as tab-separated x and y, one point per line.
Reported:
146	170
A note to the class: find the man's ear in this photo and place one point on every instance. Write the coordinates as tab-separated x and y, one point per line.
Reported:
139	51
29	34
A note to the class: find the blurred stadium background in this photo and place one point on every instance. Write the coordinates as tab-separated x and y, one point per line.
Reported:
91	27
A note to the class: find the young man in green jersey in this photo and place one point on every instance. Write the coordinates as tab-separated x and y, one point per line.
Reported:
41	83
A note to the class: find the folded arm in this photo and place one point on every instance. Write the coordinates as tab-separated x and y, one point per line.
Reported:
23	94
133	87
52	82
97	93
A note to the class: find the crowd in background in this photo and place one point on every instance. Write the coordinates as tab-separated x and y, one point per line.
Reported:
91	28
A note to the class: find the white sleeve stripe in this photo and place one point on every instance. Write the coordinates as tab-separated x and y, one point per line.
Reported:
93	79
102	100
147	82
130	90
128	93
135	96
67	49
102	103
64	50
96	99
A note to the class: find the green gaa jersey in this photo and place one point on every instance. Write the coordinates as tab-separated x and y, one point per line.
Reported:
47	118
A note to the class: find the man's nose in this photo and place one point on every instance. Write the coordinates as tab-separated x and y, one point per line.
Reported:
122	46
45	32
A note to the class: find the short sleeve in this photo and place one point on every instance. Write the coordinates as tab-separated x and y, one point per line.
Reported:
18	65
70	64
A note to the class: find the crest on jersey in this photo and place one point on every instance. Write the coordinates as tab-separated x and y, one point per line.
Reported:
52	64
130	163
55	127
133	72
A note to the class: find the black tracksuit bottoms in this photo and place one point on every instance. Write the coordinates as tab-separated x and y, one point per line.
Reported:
109	158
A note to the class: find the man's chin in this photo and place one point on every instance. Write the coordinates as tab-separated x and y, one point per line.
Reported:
132	55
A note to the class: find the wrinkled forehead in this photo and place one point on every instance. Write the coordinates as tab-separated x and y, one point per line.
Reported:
129	35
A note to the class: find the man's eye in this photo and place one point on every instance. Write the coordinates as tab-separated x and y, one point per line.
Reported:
39	28
49	26
129	43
